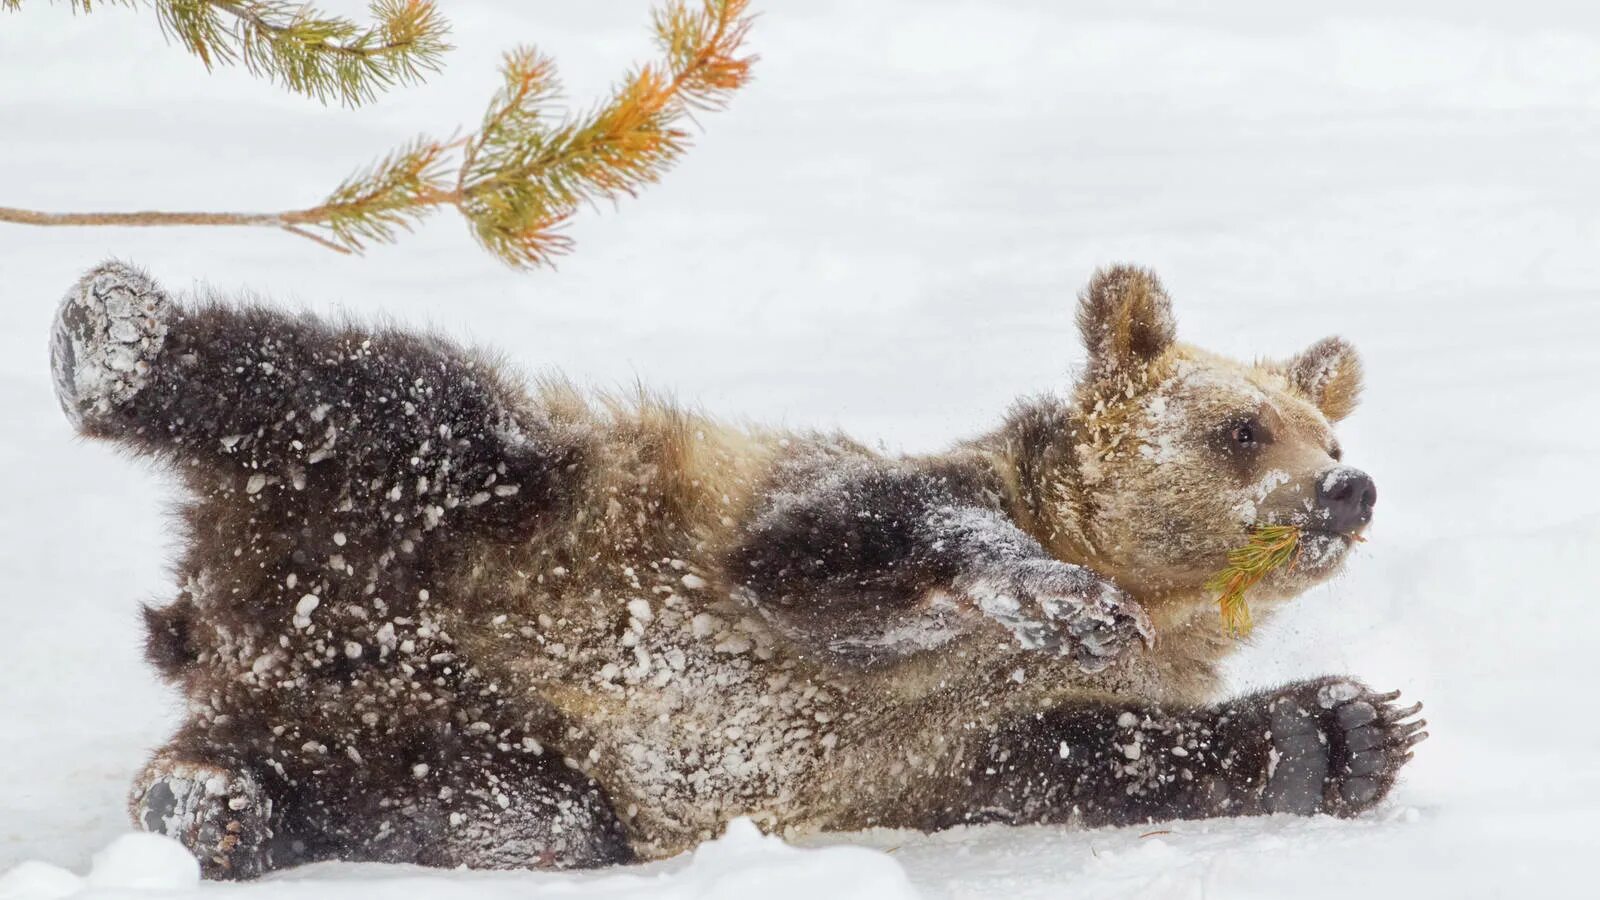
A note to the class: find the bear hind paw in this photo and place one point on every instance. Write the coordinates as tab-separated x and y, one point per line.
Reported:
221	816
108	332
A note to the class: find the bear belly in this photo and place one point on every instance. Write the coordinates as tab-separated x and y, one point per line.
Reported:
688	715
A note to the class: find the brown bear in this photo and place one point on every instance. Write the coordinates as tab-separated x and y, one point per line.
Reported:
428	614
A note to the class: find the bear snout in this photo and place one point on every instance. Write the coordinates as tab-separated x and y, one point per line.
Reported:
1346	496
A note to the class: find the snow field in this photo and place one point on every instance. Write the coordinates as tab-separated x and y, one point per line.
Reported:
885	234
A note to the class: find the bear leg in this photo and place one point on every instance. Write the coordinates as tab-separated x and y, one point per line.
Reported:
1330	745
301	414
429	797
481	807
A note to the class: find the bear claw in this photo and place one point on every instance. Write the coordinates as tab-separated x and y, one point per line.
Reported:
108	332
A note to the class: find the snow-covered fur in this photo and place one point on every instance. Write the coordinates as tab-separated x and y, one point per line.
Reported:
428	614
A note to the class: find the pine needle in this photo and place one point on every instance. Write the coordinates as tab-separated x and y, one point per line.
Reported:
376	204
306	51
527	172
1271	547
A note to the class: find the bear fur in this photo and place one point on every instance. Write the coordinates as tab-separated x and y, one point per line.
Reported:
426	613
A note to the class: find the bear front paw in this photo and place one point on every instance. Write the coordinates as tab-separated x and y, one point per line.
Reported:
1337	747
1056	607
108	332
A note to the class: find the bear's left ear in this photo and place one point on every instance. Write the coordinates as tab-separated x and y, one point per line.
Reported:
1328	373
1125	318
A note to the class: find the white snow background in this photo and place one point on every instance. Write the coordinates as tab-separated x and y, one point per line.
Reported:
885	232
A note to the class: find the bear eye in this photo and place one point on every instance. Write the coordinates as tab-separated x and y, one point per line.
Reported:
1242	437
1337	452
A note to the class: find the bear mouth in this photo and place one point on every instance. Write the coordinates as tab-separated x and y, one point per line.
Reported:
1322	549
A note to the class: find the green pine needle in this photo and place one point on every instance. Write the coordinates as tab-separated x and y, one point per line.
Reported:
308	52
304	50
374	205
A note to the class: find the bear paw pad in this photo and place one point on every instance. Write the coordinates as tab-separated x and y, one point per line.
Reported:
1337	747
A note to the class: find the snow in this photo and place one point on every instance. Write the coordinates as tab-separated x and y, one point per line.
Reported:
884	234
147	863
740	864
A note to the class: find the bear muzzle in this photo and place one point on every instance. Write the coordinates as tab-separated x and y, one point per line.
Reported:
1345	497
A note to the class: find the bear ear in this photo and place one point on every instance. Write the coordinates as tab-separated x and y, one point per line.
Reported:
1328	373
1126	320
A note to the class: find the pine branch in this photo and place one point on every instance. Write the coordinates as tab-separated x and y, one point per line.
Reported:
525	171
524	175
304	50
1271	547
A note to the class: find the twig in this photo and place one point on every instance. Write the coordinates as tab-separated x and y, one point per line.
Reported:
141	218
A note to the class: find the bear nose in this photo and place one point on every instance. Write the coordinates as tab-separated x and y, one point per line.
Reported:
1347	496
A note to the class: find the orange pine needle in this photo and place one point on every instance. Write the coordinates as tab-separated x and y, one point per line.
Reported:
1270	548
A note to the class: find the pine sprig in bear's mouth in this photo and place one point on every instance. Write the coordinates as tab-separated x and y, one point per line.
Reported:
1271	547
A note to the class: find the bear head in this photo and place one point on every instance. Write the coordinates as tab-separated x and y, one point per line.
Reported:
1179	454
